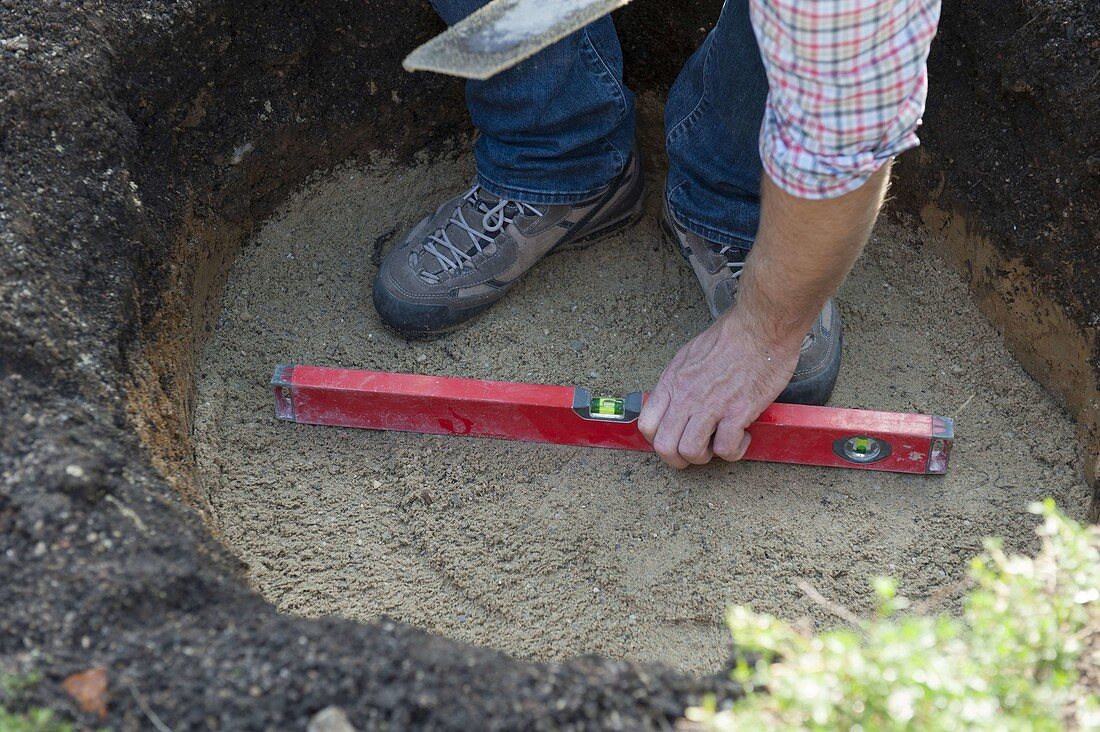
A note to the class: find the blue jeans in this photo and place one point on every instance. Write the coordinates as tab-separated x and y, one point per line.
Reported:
559	126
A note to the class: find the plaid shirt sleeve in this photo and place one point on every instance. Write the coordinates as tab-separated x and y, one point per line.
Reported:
847	84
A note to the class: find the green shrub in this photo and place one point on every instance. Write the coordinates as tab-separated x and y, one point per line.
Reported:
1013	661
36	720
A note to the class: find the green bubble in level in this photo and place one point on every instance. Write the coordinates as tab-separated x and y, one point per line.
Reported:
607	407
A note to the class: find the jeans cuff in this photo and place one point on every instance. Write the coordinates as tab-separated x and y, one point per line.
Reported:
718	236
537	198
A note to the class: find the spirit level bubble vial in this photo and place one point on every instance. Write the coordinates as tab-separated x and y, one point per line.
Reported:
440	405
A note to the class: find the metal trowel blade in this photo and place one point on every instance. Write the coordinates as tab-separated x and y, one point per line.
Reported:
503	33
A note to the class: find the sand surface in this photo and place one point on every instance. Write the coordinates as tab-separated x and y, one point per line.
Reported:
547	551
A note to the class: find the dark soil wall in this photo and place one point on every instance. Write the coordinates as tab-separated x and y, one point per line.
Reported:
137	148
139	143
230	111
1009	171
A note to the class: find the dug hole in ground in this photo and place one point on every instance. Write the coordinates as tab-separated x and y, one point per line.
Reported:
546	552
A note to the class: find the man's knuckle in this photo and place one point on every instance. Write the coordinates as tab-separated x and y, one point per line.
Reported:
693	452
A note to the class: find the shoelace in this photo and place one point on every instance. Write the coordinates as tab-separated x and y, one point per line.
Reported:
736	268
493	221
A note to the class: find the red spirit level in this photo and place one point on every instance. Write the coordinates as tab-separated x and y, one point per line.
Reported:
440	405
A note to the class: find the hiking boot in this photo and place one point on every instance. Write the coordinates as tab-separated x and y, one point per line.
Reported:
718	268
467	255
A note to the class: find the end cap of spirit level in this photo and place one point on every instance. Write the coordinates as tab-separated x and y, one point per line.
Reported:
939	450
284	402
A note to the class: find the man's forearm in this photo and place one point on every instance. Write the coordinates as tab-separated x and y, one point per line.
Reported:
803	251
721	380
